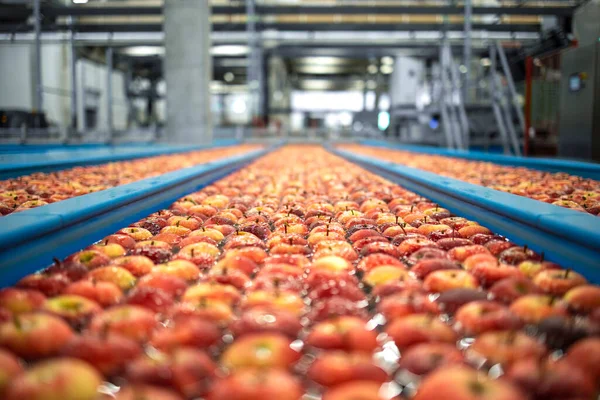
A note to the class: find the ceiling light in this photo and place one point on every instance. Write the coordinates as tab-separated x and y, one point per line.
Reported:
229	76
141	51
462	69
386	69
229	50
485	62
371	85
372	69
387	60
80	1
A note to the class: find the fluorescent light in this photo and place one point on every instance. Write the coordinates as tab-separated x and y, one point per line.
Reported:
229	50
387	60
229	76
80	1
386	69
140	51
372	69
485	62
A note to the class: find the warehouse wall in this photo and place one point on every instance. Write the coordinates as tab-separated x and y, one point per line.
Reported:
17	86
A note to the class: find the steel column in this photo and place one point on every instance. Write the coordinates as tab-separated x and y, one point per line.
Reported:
109	94
467	49
38	103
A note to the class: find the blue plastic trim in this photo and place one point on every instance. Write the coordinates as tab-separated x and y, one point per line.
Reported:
29	240
568	237
579	168
13	165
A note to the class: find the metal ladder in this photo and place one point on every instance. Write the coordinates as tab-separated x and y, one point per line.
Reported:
504	101
451	102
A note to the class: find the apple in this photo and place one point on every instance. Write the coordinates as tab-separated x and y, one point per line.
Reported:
558	282
266	320
193	332
424	267
10	368
463	383
412	329
260	350
450	243
406	302
72	308
508	290
337	367
332	263
138	234
142	392
278	299
585	354
551	380
358	389
583	299
47	381
103	293
108	352
461	253
182	269
443	280
213	291
137	265
151	298
49	284
116	275
533	308
343	333
35	335
112	250
481	316
489	274
504	347
125	241
375	260
89	258
422	359
19	301
209	310
134	322
257	384
169	284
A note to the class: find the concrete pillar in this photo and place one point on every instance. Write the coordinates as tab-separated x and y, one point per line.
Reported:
188	71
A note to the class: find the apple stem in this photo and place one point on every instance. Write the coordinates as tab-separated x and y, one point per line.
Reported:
192	252
285	228
104	330
177	224
412	207
567	272
17	321
105	242
291	240
525	249
542	257
402	227
327	230
57	262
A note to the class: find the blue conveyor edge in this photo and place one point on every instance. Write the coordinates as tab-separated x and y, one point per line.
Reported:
30	239
568	237
55	159
579	168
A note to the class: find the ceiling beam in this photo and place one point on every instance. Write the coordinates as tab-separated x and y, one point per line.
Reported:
62	11
286	27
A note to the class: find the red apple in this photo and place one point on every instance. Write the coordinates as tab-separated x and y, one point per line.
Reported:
462	383
260	350
62	378
35	335
338	367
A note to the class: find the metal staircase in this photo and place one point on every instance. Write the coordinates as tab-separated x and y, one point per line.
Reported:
451	102
505	105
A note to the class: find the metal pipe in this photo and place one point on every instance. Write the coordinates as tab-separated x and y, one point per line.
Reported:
528	90
73	84
109	93
37	62
467	49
